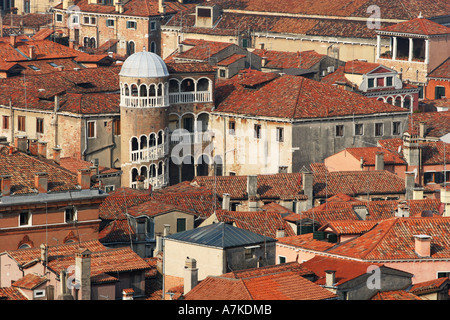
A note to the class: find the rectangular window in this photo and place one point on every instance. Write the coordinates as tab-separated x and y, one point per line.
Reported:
389	81
249	253
109	188
396	128
21	123
222	73
257	131
181	224
370	83
153	25
25	218
281	259
59	17
131	24
280	134
428	177
116	124
231	127
91	129
5	122
38	293
439	92
86	20
39	125
378	129
443	274
70	214
339	131
359	129
110	22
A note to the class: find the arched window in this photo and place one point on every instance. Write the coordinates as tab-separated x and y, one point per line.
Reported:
134	144
152	171
92	42
160	168
203	84
160	137
174	86
134	90
126	90
153	47
130	48
144	172
143	90
187	85
152	91
152	140
86	42
134	174
143	142
160	90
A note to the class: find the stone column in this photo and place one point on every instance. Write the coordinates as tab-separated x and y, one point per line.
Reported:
411	43
394	48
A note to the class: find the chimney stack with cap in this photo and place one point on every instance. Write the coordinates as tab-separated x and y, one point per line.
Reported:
226	201
190	274
42	148
83	272
422	245
57	155
84	178
252	185
21	143
409	185
330	278
379	161
33	147
41	182
6	185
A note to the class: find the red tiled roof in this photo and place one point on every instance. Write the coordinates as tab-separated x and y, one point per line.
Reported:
23	168
306	241
395	295
393	239
43	34
280	286
275	207
428	286
360	67
349	227
117	231
269	186
442	71
355	183
153	208
73	165
260	222
202	49
437	123
30	281
368	154
419	26
286	60
188	67
231	59
196	199
266	270
119	201
345	269
302	98
11	293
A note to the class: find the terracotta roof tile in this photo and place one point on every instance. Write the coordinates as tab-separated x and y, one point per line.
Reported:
395	295
393	239
11	293
30	281
119	201
419	26
267	270
437	123
442	71
307	242
261	222
303	98
368	154
286	60
428	286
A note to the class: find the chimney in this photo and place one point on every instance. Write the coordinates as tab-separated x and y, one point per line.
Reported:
161	7
252	183
402	210
127	294
6	185
33	147
190	274
21	143
411	150
226	201
42	148
263	61
119	7
418	193
330	278
83	272
158	246
307	181
44	252
140	182
422	129
12	40
41	182
379	161
56	106
445	199
166	230
409	185
280	233
32	52
361	163
57	155
84	178
422	245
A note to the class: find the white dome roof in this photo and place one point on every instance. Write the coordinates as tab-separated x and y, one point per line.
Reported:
144	64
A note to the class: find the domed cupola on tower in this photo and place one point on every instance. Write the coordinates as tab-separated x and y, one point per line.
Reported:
144	99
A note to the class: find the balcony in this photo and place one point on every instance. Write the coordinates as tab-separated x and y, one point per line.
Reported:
190	97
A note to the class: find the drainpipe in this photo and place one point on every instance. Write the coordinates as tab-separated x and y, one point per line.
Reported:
85	139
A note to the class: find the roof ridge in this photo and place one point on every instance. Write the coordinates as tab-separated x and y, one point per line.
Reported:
393	222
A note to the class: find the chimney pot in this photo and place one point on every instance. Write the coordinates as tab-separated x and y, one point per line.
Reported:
6	185
127	294
422	245
166	230
42	148
41	182
422	129
44	252
226	201
57	155
190	274
33	147
330	278
13	40
409	185
84	178
280	233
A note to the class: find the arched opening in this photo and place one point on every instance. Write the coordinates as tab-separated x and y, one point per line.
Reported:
160	90
187	169
174	86
144	172
143	142
187	122
218	165
160	168
390	100
174	173
152	91
203	84
407	103
152	171
398	101
134	90
143	90
160	137
152	140
126	90
134	175
187	85
203	165
92	43
130	48
202	122
153	47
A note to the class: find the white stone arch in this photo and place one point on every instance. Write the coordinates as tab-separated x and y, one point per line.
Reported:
398	97
126	89
152	137
390	97
174	86
201	81
143	90
131	143
152	90
152	170
160	168
143	145
160	137
188	83
411	101
134	90
381	99
134	172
